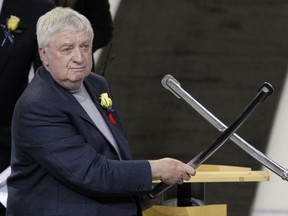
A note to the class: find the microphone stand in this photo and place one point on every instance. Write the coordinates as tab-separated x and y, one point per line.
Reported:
263	93
174	86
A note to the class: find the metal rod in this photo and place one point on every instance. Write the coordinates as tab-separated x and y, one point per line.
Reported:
224	136
202	156
174	86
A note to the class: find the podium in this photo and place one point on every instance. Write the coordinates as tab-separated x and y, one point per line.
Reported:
196	186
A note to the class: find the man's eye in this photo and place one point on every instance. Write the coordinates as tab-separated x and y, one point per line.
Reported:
85	46
66	50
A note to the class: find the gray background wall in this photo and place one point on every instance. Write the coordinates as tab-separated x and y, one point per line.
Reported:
220	52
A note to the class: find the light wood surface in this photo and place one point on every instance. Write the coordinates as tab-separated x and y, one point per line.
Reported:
224	173
207	210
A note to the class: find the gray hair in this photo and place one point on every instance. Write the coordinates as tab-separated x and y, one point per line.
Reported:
58	20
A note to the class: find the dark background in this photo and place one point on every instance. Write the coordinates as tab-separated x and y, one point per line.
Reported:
221	52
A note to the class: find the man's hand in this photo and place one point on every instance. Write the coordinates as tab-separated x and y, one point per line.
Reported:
171	171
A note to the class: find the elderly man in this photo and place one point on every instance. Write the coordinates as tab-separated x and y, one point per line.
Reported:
69	152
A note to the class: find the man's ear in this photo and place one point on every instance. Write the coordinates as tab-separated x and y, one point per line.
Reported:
43	55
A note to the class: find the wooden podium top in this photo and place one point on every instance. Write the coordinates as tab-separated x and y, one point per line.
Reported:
223	173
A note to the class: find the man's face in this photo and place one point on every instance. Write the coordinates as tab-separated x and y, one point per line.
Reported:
68	58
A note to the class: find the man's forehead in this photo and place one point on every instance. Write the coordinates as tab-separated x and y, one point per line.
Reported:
71	37
68	34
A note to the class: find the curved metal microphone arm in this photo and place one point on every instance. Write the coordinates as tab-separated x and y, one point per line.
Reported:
170	83
262	94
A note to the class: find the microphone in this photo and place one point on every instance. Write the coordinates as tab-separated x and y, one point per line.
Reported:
168	81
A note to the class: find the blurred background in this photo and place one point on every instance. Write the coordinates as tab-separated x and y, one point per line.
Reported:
221	52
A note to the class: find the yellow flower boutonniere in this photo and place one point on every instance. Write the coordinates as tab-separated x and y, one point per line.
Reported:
13	24
106	103
12	27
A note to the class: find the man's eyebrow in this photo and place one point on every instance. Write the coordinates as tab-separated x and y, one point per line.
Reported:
86	41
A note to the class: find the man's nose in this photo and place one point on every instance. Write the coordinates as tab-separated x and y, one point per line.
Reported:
77	55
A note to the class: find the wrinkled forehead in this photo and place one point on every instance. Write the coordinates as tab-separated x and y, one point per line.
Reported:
70	37
74	35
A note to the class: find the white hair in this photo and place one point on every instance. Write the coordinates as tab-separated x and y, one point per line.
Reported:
58	20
